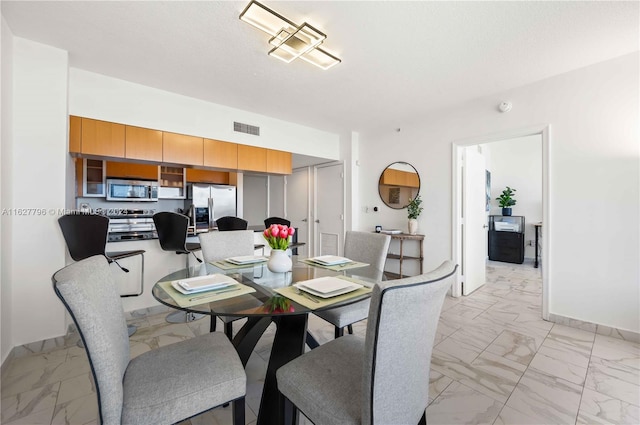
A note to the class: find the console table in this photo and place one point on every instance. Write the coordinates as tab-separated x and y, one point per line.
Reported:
401	257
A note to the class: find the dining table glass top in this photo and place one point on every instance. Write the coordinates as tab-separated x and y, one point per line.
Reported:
261	289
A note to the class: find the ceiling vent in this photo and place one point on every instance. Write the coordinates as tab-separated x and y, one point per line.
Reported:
246	128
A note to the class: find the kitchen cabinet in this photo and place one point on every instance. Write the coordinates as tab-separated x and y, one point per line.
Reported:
506	238
95	138
220	154
173	183
393	177
182	149
75	134
252	158
195	175
143	144
131	170
93	176
102	138
278	162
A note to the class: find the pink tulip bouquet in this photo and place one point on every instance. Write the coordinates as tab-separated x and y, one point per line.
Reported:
278	236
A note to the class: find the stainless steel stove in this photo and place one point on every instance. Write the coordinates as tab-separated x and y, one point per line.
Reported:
129	225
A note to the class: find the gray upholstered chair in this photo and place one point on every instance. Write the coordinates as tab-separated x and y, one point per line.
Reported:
383	378
368	248
217	245
162	386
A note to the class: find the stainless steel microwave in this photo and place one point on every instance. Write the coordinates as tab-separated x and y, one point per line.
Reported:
132	190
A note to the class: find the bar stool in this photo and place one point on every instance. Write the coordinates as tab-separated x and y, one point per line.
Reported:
86	236
172	235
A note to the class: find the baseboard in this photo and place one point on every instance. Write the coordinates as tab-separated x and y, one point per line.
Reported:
594	327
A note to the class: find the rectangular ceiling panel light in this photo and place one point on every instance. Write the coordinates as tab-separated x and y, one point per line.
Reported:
293	45
290	41
320	58
265	19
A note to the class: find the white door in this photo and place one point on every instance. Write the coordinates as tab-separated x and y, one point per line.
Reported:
329	222
255	199
474	232
298	202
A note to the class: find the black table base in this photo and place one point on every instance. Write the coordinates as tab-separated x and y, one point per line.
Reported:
288	343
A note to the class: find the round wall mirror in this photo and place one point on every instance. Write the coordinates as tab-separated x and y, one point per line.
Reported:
398	183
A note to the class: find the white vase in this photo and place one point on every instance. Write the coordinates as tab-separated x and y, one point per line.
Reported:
279	261
413	226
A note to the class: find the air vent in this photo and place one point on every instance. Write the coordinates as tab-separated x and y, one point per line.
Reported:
246	128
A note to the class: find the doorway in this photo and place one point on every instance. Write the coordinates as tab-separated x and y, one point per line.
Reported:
329	209
464	215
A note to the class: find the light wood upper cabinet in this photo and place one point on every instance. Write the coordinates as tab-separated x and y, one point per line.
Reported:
102	138
182	149
75	134
220	154
278	162
252	158
143	143
207	176
132	170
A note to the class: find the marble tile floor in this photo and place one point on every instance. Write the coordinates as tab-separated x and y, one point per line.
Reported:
495	362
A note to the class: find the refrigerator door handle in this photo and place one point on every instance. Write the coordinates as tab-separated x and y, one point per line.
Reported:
211	215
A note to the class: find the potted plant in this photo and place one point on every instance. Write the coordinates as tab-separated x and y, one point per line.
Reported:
506	201
413	211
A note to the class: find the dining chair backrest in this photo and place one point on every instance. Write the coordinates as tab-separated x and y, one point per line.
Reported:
228	223
89	293
84	234
367	247
219	245
401	328
172	230
276	220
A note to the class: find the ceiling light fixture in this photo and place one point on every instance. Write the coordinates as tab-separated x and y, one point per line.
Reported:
290	41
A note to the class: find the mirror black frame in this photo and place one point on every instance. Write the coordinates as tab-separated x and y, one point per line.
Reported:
398	192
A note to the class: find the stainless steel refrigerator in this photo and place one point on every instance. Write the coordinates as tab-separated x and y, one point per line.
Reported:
211	202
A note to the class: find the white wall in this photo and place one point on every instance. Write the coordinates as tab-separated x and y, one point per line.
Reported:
38	179
6	192
594	242
517	163
97	96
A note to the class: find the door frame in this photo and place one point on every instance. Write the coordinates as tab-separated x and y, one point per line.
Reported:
456	246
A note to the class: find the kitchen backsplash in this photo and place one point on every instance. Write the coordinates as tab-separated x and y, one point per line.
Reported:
111	208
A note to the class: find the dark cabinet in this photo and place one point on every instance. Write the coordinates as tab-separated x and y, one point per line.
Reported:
506	238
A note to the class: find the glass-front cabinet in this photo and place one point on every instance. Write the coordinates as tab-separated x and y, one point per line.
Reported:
173	183
93	177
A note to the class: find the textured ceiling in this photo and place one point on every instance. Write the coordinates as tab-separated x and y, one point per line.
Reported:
400	59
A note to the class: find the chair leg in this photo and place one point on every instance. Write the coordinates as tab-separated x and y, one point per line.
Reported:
338	332
212	325
423	419
237	409
288	411
228	330
350	329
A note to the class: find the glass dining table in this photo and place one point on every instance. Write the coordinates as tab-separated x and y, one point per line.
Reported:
268	297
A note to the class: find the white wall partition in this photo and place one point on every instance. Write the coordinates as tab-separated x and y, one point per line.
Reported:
6	192
38	179
594	167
